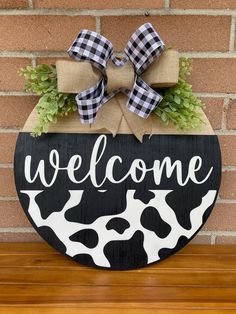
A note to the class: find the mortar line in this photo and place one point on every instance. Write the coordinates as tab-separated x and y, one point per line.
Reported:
232	34
226	132
218	233
98	24
201	233
213	239
208	54
33	62
10	130
218	201
225	233
9	198
215	95
166	4
6	165
15	93
17	230
189	54
228	168
32	54
224	168
198	94
31	4
10	166
120	12
225	201
224	113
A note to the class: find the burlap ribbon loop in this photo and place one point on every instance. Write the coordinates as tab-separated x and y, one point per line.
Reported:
120	77
100	77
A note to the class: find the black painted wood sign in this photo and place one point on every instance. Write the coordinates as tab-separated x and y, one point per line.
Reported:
113	202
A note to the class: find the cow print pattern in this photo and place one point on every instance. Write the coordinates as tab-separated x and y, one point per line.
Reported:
72	234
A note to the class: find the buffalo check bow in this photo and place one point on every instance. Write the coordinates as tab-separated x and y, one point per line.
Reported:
144	46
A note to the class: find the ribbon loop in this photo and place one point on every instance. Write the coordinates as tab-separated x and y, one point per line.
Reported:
144	46
91	46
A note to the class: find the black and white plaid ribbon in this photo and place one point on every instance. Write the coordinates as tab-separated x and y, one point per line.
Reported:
144	46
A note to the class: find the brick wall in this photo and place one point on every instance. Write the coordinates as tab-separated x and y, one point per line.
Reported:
39	31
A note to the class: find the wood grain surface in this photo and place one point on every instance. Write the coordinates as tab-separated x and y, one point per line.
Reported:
36	279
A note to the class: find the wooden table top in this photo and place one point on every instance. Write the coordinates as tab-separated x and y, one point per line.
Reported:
34	278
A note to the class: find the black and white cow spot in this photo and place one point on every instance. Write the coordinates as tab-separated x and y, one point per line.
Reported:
118	224
50	236
123	254
155	224
184	199
84	259
145	195
87	237
88	211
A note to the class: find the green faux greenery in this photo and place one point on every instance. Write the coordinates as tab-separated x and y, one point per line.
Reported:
179	104
42	81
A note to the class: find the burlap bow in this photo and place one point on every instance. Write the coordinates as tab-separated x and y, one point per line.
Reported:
101	76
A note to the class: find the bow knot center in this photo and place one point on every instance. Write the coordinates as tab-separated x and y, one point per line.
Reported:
120	77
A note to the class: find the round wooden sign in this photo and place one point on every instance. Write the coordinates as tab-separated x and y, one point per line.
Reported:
113	202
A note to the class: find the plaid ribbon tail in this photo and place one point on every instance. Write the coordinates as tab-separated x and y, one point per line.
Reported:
90	101
143	99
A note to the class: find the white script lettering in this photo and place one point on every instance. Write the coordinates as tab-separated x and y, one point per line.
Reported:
137	170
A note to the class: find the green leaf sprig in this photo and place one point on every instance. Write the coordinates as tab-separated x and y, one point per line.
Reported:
179	105
42	81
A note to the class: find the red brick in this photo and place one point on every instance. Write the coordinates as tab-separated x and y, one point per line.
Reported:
226	240
9	78
19	237
201	239
12	215
177	31
214	111
104	4
214	75
223	217
228	186
7	147
231	115
14	110
39	32
7	184
228	149
203	4
13	4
